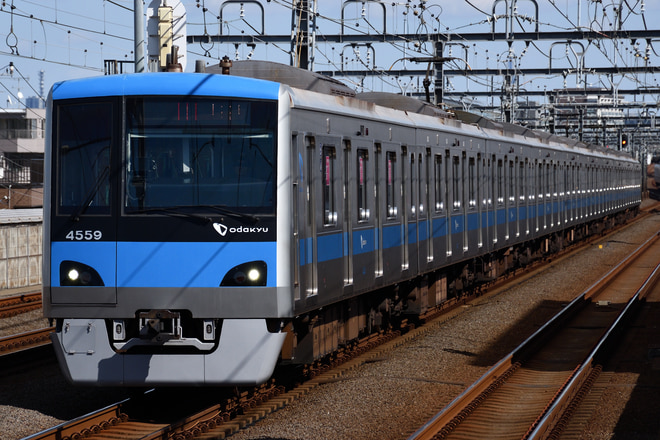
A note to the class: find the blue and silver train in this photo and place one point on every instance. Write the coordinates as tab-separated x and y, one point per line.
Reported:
199	228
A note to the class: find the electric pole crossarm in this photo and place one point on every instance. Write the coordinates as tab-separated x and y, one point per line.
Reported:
398	38
498	72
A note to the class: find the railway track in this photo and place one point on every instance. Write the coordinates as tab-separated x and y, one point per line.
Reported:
530	393
27	340
17	304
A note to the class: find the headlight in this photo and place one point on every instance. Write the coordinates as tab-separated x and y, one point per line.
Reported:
73	273
253	273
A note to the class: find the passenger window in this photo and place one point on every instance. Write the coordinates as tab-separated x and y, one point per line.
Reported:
456	169
471	183
500	182
329	209
439	193
414	178
512	183
389	188
362	183
521	182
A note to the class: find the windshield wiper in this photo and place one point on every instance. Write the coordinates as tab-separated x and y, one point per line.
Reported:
178	211
91	194
222	209
172	211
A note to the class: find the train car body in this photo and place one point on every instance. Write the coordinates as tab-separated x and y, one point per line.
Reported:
199	227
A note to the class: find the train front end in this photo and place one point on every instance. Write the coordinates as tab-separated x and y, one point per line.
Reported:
161	230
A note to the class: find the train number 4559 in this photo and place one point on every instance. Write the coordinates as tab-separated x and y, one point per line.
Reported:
86	235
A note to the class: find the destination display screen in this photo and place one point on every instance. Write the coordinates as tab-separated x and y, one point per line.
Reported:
217	112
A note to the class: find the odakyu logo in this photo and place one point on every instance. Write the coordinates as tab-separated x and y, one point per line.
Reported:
223	229
220	228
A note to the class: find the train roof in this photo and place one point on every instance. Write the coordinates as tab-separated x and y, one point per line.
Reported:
315	82
406	103
543	136
463	124
262	80
284	74
155	84
310	81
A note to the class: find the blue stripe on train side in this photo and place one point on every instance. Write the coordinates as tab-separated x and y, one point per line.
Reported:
392	236
512	214
335	246
473	221
501	216
330	247
491	219
168	84
423	230
457	224
439	227
363	241
412	233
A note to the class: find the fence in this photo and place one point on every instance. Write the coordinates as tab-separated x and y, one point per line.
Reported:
20	255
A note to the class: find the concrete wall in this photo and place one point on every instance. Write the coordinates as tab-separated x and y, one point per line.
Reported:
20	255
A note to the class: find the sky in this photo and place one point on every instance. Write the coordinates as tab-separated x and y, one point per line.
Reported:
68	39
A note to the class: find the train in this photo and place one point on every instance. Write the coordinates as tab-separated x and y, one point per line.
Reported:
202	228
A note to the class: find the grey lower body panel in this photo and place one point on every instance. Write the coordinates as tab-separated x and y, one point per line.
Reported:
207	302
246	355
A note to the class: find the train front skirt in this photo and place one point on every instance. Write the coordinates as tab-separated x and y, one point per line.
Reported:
246	355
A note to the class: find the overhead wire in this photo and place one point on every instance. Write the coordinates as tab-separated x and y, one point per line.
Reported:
57	24
351	26
68	26
27	109
17	70
423	28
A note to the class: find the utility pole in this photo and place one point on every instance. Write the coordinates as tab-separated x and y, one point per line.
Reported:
302	46
138	35
439	68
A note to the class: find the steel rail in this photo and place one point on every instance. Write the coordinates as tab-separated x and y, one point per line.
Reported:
548	421
17	304
86	425
24	341
444	422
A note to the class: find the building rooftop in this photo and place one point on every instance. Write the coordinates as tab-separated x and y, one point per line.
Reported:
31	215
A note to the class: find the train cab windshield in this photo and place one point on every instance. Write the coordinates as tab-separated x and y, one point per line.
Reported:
84	139
196	153
189	153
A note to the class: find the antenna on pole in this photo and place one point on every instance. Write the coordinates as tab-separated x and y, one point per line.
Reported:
166	28
302	43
